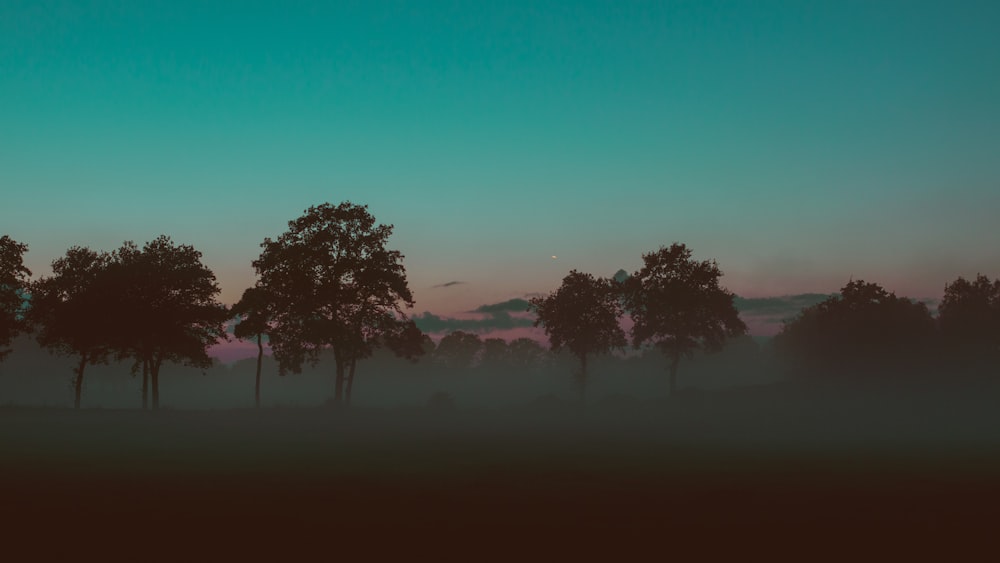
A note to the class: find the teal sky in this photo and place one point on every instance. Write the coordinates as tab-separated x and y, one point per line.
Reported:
798	143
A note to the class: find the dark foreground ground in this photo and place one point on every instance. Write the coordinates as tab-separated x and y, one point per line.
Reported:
703	475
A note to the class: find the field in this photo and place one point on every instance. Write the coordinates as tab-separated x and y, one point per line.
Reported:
708	472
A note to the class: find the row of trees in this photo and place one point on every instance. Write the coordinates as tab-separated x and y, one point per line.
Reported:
866	330
152	305
330	284
675	304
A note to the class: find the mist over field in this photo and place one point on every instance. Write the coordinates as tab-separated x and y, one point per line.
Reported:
426	454
33	377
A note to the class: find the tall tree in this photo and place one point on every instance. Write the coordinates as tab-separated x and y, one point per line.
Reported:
678	306
13	287
333	284
865	330
583	316
69	310
969	317
166	309
252	312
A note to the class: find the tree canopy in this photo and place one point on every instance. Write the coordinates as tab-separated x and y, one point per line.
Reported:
69	310
332	283
583	316
13	286
458	350
863	330
969	317
165	305
252	312
678	306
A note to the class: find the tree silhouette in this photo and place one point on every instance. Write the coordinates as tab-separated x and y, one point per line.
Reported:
375	328
408	341
332	284
69	310
253	315
458	350
13	286
583	316
496	353
863	330
678	306
525	353
969	317
165	307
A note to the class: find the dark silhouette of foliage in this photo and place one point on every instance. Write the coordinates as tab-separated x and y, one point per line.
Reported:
865	330
69	310
583	316
525	353
496	353
253	315
458	350
332	283
678	306
407	341
427	344
969	317
13	285
165	308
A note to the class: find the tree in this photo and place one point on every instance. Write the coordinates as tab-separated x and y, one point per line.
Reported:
69	309
332	284
252	312
458	350
13	286
677	305
525	353
864	330
969	317
496	353
408	341
165	308
378	328
583	316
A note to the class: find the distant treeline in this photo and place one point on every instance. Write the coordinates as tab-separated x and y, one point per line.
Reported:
329	289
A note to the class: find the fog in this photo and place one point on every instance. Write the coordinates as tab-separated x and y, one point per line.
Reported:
740	398
458	458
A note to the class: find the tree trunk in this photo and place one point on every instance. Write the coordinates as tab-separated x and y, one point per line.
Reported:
350	380
145	383
154	371
674	361
78	384
260	356
338	394
582	379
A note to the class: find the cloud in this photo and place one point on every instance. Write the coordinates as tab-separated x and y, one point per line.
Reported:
515	305
784	306
765	316
500	320
449	284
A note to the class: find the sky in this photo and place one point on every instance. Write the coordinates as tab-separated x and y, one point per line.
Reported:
799	144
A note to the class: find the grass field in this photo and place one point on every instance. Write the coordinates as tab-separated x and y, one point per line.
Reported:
710	473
